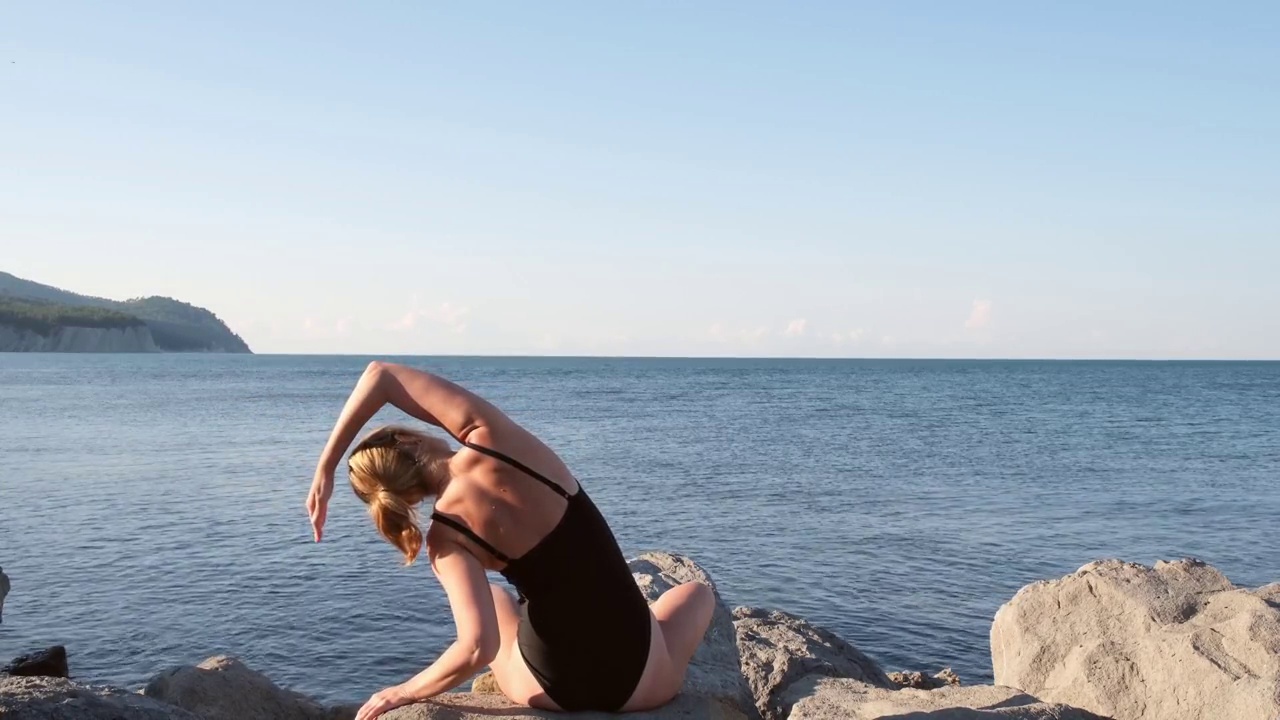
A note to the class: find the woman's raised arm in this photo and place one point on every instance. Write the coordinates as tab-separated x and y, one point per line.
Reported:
420	394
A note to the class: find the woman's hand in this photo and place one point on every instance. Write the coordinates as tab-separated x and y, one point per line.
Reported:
318	501
382	701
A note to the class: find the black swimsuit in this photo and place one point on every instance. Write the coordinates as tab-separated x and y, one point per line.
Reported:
584	625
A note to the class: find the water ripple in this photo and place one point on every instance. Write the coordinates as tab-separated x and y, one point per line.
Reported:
151	507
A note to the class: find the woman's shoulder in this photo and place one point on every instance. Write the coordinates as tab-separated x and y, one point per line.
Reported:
516	450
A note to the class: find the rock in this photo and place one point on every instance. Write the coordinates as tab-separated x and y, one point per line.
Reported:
778	649
920	681
485	684
715	673
470	706
4	590
223	688
50	662
1130	641
820	698
46	698
342	712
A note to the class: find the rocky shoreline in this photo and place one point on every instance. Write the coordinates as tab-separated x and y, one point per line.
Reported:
1176	641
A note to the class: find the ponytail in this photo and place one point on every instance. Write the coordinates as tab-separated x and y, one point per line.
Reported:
397	521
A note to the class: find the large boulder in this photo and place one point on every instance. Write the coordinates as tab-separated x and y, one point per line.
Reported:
223	688
1177	640
778	649
50	662
821	698
47	698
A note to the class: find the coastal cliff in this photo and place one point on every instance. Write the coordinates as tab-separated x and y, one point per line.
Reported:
135	339
42	318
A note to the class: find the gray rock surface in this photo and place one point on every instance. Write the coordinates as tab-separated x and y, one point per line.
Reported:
819	698
223	688
778	650
919	681
1176	641
45	698
4	590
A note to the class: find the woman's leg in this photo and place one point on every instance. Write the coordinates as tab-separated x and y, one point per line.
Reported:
509	671
680	620
684	612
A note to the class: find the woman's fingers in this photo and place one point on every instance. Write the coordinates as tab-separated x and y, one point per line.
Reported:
317	521
317	509
374	707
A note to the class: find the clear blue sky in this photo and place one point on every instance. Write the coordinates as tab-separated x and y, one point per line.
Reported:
1083	179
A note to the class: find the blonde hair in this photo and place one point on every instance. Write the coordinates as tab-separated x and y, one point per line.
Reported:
388	471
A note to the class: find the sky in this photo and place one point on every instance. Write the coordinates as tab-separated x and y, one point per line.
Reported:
818	179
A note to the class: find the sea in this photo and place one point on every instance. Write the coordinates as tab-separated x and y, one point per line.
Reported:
151	506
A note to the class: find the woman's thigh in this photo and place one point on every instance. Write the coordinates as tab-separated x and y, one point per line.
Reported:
678	622
657	685
509	669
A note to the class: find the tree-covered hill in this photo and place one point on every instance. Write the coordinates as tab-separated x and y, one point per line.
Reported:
175	325
43	317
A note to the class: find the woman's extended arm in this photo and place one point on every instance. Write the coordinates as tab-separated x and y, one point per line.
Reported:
476	620
428	397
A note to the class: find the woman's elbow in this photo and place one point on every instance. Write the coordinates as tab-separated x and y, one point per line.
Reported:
482	649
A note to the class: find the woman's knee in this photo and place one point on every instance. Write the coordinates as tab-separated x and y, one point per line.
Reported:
697	597
702	594
704	600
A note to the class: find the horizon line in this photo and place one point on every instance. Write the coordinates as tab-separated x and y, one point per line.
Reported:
526	356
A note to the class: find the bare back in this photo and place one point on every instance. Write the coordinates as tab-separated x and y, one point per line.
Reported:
500	503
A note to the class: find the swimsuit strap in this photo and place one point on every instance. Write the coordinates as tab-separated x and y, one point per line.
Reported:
501	556
520	466
450	522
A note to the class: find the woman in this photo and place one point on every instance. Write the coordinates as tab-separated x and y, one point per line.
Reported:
581	636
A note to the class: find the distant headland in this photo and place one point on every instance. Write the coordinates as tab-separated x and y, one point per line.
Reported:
41	318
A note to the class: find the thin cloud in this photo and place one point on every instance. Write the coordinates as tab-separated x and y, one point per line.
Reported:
979	315
453	317
796	327
407	322
842	338
315	328
720	334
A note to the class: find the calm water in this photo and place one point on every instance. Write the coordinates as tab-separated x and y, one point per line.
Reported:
151	507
